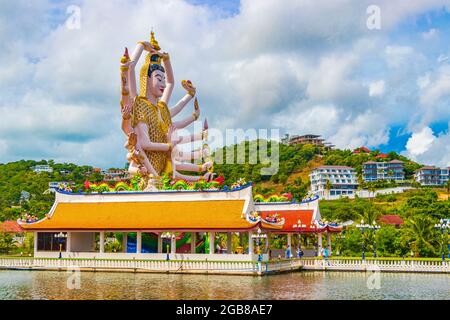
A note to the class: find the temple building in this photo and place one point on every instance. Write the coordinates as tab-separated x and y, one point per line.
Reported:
161	225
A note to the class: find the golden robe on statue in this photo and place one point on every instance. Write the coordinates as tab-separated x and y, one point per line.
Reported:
157	118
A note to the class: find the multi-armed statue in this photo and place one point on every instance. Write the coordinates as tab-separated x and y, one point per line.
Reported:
153	143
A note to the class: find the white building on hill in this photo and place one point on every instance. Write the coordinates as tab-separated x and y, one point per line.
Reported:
342	182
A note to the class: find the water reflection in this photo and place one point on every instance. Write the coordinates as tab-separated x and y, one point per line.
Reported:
302	285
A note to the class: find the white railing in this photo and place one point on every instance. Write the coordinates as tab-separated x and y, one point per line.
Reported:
143	265
229	266
376	265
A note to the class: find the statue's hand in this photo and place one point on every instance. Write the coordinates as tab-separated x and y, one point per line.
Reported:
206	151
165	56
148	47
207	165
143	170
196	112
128	64
126	111
189	87
173	137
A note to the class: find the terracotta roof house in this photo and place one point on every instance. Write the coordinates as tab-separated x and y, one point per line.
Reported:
10	227
382	156
391	219
362	150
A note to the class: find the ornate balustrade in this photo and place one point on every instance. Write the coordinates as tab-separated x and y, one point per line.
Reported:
376	265
226	267
134	265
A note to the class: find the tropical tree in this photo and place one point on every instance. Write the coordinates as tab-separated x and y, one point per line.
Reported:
328	186
448	189
6	242
388	241
420	235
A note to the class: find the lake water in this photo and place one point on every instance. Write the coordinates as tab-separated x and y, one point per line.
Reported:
300	285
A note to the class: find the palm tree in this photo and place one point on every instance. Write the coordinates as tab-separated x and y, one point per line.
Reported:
328	187
421	233
371	189
448	189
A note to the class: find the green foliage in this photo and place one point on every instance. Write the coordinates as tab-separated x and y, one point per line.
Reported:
6	242
420	235
18	176
345	209
388	242
291	158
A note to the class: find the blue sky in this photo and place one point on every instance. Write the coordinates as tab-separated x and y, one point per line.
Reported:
296	65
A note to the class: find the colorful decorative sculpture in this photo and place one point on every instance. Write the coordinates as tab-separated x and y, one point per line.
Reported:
148	122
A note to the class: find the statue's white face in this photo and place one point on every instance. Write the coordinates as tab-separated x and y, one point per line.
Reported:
158	83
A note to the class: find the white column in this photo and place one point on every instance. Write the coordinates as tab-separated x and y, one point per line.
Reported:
289	241
229	238
102	241
212	236
329	243
250	243
35	242
124	241
319	244
138	242
173	245
193	241
68	241
160	248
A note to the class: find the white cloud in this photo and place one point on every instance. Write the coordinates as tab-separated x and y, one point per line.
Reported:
368	129
425	147
423	81
420	141
398	56
376	88
319	119
438	88
430	34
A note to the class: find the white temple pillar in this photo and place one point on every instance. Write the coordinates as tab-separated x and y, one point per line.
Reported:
173	244
68	241
289	241
250	243
102	242
35	242
329	243
124	241
138	242
319	244
193	241
212	236
160	248
229	242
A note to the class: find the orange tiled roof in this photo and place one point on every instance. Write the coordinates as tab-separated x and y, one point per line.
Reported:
170	215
